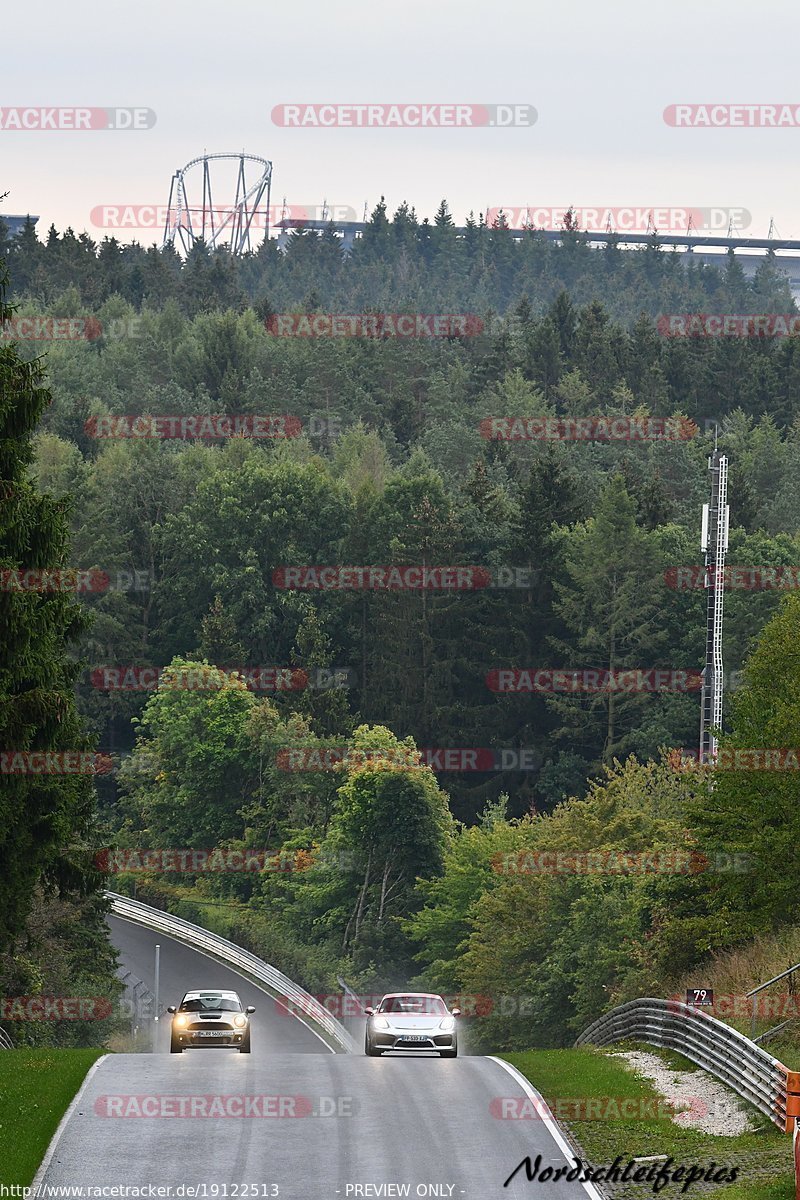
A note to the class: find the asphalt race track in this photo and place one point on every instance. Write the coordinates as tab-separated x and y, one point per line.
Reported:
182	969
292	1119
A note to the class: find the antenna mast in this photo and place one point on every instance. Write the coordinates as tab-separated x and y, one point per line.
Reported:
714	544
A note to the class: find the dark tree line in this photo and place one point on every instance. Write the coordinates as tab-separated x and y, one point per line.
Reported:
400	262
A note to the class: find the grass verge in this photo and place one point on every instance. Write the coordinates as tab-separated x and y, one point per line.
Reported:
780	1189
36	1087
762	1157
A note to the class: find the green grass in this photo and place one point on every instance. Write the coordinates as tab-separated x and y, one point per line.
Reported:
781	1189
762	1156
36	1087
784	1048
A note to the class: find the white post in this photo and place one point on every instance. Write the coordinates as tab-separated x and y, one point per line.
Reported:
155	1000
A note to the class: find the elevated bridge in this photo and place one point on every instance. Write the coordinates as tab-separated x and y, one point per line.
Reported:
708	249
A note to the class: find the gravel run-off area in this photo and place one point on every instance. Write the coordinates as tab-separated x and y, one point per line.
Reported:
704	1103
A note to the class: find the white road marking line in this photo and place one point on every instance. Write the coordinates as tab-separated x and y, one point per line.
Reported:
221	963
51	1149
549	1120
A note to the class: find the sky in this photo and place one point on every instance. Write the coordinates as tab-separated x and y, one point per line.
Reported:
599	78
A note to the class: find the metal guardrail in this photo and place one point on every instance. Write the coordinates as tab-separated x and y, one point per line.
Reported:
5	1041
351	995
232	955
752	996
771	1033
352	1015
722	1051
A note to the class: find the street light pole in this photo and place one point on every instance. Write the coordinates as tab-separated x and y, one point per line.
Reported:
155	999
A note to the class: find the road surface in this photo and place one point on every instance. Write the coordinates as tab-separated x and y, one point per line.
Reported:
292	1119
182	969
321	1127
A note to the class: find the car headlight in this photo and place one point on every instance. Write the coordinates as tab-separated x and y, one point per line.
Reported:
240	1022
180	1021
380	1023
448	1024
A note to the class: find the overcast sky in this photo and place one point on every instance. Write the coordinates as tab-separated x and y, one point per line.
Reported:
599	76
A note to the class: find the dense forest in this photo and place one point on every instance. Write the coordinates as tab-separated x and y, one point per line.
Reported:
399	263
577	544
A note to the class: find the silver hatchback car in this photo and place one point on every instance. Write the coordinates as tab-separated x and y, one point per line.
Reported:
412	1021
210	1018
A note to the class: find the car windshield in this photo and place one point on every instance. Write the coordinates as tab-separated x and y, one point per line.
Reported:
211	1001
413	1004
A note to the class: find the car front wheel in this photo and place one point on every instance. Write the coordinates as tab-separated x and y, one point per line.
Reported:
245	1046
449	1053
371	1050
175	1047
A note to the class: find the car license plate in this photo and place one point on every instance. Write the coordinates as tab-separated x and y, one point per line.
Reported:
415	1037
209	1033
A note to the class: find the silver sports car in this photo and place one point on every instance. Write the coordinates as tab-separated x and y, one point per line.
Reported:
210	1018
411	1021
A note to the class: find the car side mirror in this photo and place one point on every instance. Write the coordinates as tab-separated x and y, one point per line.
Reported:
455	1012
171	1008
250	1008
369	1011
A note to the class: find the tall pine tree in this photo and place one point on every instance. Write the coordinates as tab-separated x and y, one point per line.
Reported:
45	817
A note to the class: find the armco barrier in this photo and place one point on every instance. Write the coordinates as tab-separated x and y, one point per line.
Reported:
273	980
722	1051
353	1015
